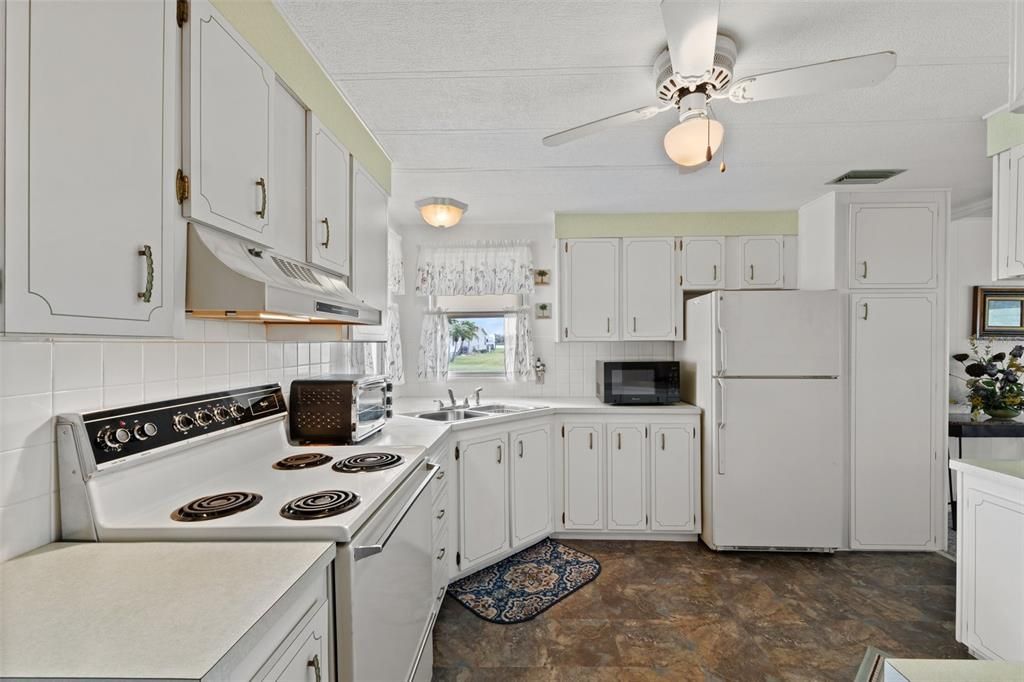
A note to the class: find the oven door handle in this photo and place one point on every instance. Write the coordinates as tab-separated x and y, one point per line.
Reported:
378	547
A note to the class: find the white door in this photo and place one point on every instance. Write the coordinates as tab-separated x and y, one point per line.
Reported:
483	508
778	467
894	417
702	262
584	508
290	169
674	491
590	289
228	150
649	289
894	245
328	236
531	484
369	246
762	262
627	494
92	231
778	333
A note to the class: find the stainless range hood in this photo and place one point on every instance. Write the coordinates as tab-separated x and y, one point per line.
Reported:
228	278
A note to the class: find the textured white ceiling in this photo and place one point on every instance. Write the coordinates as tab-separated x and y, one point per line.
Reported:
460	93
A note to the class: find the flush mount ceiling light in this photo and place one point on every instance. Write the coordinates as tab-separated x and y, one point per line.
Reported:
441	211
697	137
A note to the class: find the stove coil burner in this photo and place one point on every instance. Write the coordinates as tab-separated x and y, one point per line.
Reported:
320	505
216	506
303	460
371	461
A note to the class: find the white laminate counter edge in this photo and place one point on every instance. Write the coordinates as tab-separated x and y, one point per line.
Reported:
1004	471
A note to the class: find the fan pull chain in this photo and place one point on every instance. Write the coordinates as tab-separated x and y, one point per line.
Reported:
708	154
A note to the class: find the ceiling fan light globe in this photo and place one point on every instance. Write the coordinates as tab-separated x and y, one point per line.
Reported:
687	143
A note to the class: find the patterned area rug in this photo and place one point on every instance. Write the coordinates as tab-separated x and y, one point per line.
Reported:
525	584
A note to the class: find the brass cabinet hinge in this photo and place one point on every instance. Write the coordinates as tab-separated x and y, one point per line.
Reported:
181	186
182	13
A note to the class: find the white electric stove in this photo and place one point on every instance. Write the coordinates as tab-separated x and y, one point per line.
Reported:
219	466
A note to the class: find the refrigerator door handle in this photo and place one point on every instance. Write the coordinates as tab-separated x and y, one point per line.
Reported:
721	336
721	428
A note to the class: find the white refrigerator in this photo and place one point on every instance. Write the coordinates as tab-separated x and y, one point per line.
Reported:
765	366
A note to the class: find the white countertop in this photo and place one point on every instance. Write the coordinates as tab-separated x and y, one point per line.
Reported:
1009	471
944	670
140	610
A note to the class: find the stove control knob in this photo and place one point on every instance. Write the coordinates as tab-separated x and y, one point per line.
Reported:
183	423
204	418
237	411
145	431
221	413
114	438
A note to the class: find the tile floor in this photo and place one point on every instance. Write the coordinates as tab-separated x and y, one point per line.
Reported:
678	611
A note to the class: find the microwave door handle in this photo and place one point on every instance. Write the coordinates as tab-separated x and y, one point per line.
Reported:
364	551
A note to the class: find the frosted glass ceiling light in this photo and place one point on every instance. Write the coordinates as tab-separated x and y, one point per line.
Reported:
441	211
695	140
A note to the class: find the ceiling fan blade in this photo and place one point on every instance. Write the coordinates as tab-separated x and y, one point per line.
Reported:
691	27
837	74
600	124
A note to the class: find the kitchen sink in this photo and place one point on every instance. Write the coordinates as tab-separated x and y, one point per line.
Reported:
450	415
502	409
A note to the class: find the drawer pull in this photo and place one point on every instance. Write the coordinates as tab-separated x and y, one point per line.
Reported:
440	514
326	243
314	663
440	594
146	295
440	554
440	475
262	184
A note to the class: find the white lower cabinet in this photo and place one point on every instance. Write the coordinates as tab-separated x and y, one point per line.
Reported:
582	491
531	484
307	658
674	458
627	465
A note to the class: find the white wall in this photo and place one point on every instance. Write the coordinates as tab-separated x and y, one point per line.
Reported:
970	248
40	378
570	366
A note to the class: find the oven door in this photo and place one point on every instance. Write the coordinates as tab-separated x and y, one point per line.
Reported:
371	402
384	590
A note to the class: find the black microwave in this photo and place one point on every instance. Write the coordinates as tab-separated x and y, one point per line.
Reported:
638	382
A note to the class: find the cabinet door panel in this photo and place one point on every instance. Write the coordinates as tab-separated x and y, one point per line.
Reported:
290	171
531	485
894	408
483	509
762	263
228	150
673	478
894	245
1015	213
702	262
369	247
627	503
584	506
90	125
590	289
649	289
328	237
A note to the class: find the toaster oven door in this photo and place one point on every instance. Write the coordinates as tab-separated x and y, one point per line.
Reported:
372	402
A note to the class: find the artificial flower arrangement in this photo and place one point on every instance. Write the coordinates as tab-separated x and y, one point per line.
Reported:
994	380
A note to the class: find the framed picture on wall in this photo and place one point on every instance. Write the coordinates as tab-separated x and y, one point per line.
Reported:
998	312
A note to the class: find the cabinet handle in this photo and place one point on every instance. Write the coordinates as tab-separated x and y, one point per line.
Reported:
440	555
262	183
865	312
608	325
520	449
714	273
662	440
634	325
751	273
314	663
440	475
440	514
591	434
499	454
146	295
864	270
326	243
619	434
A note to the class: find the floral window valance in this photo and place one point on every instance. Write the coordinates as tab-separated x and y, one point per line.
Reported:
476	269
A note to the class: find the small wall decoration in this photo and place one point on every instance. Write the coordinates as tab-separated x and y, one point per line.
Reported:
998	312
542	277
542	311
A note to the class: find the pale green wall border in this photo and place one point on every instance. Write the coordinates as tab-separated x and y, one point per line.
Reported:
1004	130
583	225
262	25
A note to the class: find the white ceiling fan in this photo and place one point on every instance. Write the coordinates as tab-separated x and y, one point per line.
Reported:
697	68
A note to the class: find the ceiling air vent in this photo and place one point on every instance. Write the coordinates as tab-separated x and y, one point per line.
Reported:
865	177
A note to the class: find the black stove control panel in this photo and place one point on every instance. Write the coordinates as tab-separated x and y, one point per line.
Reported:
119	433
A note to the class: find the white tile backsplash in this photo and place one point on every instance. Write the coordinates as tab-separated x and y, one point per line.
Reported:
43	378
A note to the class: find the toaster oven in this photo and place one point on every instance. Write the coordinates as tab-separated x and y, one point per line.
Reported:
338	409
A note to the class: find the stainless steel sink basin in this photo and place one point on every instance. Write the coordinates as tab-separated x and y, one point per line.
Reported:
502	409
449	415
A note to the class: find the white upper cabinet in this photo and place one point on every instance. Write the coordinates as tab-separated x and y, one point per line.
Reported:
649	289
1016	98
91	226
627	493
584	508
328	237
531	484
756	262
702	262
370	246
228	150
290	174
590	289
1008	214
894	245
483	499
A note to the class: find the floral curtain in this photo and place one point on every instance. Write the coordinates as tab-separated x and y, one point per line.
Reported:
393	365
396	264
434	343
475	269
518	345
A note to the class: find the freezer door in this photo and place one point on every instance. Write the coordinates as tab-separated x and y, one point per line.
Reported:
778	333
778	463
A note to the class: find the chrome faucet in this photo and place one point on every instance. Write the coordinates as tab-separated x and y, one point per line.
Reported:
451	396
476	392
440	403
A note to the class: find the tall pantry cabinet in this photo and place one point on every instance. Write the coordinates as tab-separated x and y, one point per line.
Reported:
887	252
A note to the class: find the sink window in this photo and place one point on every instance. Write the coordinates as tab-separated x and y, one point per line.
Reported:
478	326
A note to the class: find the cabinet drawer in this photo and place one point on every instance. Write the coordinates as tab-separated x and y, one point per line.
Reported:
439	512
441	476
306	658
